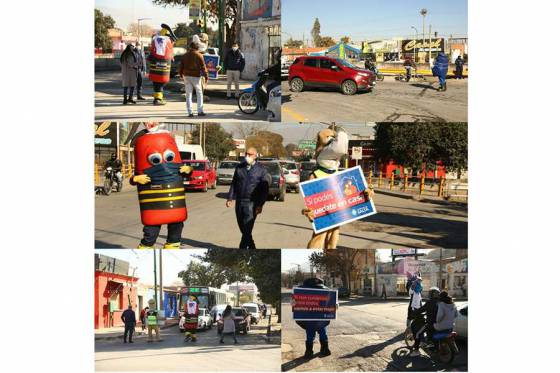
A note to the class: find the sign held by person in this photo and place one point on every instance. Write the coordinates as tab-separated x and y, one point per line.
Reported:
314	304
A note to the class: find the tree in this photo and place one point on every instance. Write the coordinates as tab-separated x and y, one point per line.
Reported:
291	43
341	262
182	30
102	25
268	144
452	147
198	274
145	30
218	143
316	33
326	41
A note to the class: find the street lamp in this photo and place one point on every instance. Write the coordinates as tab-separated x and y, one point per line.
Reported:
423	13
415	39
138	27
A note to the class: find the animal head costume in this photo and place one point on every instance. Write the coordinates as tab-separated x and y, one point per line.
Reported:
331	146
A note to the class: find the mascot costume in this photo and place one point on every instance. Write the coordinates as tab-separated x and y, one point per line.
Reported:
158	176
315	327
332	145
191	319
159	60
152	317
414	288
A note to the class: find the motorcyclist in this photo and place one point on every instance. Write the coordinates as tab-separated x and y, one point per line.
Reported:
420	325
116	165
409	65
274	76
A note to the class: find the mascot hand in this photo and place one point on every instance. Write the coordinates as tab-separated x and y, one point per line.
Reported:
141	179
368	193
309	213
185	169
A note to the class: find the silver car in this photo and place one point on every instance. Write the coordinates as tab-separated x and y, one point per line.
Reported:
225	171
291	174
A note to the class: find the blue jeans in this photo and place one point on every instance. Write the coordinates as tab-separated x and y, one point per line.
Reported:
441	81
310	333
245	213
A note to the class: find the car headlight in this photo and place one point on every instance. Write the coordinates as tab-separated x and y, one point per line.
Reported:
199	177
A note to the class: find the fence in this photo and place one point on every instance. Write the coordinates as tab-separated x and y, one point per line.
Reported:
420	185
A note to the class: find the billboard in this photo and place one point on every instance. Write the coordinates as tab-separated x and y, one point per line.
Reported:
314	304
337	199
417	45
403	252
255	9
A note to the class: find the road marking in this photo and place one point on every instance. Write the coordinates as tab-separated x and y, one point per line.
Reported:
298	117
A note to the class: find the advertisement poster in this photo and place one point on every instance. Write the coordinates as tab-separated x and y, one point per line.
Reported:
337	199
212	62
314	304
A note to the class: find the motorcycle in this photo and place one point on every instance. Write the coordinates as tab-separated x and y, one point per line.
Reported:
444	344
111	181
373	68
255	98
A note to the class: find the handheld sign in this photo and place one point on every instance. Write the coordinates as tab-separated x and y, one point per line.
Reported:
212	63
337	199
314	304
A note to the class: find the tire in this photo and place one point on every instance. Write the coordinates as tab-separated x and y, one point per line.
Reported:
409	337
247	102
107	186
349	87
296	85
446	352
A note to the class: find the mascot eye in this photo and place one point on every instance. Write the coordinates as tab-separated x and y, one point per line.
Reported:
169	155
154	158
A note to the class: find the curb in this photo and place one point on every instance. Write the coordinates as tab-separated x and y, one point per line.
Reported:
120	335
419	198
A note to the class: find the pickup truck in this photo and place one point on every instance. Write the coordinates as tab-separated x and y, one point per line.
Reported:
202	177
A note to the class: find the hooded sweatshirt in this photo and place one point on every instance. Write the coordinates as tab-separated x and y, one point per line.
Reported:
446	315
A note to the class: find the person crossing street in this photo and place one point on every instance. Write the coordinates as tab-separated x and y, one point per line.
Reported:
128	317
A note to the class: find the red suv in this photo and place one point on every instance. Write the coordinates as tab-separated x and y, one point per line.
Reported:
202	177
311	71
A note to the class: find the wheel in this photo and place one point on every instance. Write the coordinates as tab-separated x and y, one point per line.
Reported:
247	102
446	353
205	187
296	85
107	186
349	87
409	337
119	186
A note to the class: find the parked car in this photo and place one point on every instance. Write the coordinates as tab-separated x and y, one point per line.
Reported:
242	320
291	174
254	310
327	72
202	177
225	171
461	323
216	312
276	180
306	169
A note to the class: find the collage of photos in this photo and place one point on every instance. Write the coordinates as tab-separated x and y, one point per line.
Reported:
280	186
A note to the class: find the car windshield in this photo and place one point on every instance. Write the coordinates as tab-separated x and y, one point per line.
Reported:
200	312
271	167
308	166
346	63
237	312
198	166
226	165
251	309
289	166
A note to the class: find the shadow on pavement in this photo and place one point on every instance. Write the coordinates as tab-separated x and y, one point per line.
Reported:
99	244
369	351
297	362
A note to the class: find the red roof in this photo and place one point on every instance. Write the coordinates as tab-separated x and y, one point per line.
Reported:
301	51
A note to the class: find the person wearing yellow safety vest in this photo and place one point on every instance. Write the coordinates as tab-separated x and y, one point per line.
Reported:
152	317
332	145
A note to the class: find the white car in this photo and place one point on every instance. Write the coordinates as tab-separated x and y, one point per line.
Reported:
254	310
204	319
291	175
461	323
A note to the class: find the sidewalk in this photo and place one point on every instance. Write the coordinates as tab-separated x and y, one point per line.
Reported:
378	299
215	87
420	198
117	332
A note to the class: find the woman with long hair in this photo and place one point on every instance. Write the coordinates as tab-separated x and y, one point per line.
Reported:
129	73
229	324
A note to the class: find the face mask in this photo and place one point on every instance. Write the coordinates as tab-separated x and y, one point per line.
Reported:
163	173
234	49
249	160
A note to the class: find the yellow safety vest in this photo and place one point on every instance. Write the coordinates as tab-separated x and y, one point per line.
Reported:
152	320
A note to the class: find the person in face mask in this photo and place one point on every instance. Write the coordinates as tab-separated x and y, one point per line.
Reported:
249	189
234	64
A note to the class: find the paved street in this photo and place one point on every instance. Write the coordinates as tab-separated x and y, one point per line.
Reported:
252	353
364	337
399	223
108	104
391	101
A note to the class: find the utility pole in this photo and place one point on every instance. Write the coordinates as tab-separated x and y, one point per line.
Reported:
155	278
375	272
238	294
430	47
160	279
423	13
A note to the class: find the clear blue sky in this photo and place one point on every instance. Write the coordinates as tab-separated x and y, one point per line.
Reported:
373	19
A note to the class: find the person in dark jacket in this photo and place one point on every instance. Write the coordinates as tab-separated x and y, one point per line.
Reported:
128	317
315	327
419	325
249	189
409	65
141	58
234	64
441	65
459	62
129	73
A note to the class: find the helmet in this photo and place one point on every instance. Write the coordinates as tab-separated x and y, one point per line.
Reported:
164	32
434	292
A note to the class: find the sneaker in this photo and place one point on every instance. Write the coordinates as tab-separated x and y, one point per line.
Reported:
125	101
130	342
142	246
414	353
201	114
174	245
221	341
131	101
141	98
191	115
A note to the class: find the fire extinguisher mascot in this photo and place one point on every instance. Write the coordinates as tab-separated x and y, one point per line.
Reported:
158	174
191	319
161	56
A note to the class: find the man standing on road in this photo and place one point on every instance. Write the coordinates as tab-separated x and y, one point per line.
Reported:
441	65
459	62
141	60
234	64
192	70
249	189
128	317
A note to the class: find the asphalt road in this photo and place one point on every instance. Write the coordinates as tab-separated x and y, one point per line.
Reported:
366	336
173	354
400	222
391	101
108	104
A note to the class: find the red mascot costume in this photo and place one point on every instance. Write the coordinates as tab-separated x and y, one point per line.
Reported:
161	56
158	175
191	319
